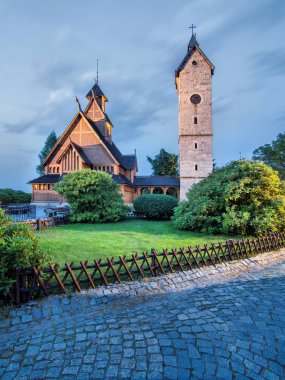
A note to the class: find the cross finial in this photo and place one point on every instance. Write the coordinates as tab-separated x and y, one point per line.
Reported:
192	27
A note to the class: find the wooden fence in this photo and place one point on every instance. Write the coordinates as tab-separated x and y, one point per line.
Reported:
32	283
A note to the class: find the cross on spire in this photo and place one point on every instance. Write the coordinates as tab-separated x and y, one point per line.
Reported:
192	27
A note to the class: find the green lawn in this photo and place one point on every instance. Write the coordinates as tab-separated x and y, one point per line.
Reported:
76	242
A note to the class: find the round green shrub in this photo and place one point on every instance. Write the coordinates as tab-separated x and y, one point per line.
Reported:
19	249
242	198
93	196
155	206
5	198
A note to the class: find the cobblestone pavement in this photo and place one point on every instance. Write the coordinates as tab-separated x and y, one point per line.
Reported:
230	324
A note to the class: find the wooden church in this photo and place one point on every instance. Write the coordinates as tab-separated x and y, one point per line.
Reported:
87	143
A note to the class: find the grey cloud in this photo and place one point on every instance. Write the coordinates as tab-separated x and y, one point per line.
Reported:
268	62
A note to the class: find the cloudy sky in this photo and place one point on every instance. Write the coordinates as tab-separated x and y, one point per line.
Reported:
49	51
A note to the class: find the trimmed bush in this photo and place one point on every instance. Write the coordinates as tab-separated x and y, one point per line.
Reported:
155	206
93	196
242	198
5	198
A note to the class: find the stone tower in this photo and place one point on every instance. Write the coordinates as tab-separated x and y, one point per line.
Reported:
193	80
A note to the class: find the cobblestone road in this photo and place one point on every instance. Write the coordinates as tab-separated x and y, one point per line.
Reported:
231	328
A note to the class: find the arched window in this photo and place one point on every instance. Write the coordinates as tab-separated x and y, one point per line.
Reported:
57	170
196	146
196	167
157	190
172	192
195	120
77	162
145	190
68	160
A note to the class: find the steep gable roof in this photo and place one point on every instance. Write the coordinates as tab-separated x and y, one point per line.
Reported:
192	47
62	138
96	91
79	150
126	161
104	115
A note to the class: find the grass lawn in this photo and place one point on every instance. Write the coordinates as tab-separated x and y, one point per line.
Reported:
75	242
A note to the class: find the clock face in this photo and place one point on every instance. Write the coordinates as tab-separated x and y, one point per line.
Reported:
195	99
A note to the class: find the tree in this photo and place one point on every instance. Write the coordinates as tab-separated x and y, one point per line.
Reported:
17	196
5	197
164	163
242	198
49	144
93	196
273	154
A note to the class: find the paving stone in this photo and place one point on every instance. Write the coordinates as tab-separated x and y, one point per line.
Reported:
70	370
53	372
182	331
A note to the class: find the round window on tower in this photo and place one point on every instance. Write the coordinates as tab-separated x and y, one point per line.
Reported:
195	99
194	63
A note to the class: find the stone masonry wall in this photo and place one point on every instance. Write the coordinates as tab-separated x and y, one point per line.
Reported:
195	140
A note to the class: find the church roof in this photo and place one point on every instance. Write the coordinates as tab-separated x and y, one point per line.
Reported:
156	180
47	178
192	46
96	90
121	179
126	161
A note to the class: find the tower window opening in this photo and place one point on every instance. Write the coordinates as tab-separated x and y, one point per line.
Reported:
196	167
195	120
196	147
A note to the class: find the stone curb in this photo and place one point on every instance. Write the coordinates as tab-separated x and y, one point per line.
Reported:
58	307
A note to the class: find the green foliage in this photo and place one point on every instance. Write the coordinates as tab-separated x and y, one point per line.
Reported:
49	144
164	163
15	196
273	154
155	206
5	197
242	198
19	248
93	196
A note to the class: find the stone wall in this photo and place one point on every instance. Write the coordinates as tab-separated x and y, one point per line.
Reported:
195	139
